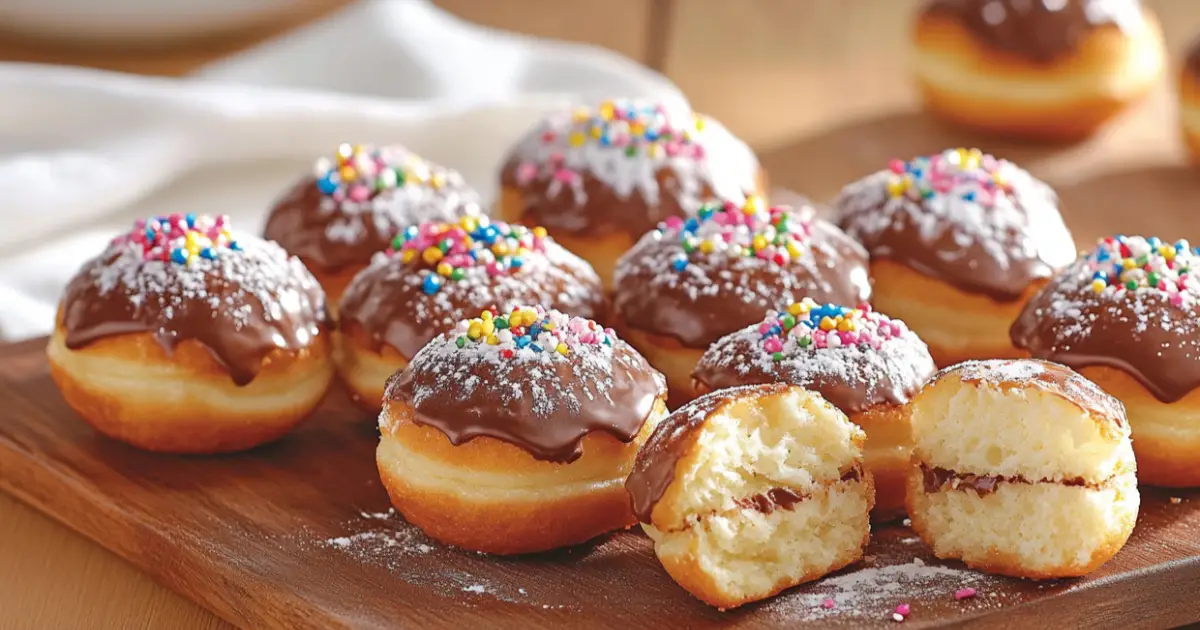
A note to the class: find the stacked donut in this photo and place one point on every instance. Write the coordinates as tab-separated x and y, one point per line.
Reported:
524	399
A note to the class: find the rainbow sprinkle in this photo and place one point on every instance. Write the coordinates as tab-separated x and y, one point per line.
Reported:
181	238
634	128
1131	263
358	172
811	326
968	173
531	330
751	230
450	250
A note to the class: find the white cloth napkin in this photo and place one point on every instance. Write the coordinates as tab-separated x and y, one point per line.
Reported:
83	153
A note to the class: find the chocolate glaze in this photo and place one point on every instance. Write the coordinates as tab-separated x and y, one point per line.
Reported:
1050	377
388	303
240	307
698	307
998	254
654	470
942	480
1030	29
1139	333
610	198
544	404
329	237
852	378
1191	63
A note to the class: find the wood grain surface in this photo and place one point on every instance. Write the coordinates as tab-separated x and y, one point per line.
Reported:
817	86
299	535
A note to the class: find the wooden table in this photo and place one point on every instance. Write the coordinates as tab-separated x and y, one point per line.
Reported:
787	75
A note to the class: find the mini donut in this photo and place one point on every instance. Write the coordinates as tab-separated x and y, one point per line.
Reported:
599	178
1189	101
178	338
353	205
865	363
751	490
958	242
1021	468
514	432
435	275
1036	69
1127	316
688	283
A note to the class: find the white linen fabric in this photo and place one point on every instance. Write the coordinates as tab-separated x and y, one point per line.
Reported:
83	153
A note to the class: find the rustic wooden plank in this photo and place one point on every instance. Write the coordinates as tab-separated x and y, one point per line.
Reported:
297	535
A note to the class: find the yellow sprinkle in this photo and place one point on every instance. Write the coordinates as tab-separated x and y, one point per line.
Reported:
493	340
408	256
759	242
998	179
654	150
562	349
431	255
1168	253
548	326
486	316
699	123
1098	285
474	330
539	232
576	139
437	180
500	249
468	224
347	173
897	186
606	110
846	325
444	269
1128	263
595	132
753	204
827	324
581	114
488	327
637	129
793	249
706	246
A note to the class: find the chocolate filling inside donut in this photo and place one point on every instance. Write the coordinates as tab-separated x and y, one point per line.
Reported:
786	498
942	479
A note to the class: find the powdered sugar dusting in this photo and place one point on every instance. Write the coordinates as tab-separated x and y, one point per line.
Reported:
1051	377
628	145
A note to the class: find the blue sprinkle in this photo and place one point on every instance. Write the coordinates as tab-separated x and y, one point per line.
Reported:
326	185
1101	255
516	263
535	330
235	246
149	235
411	232
1099	275
679	264
523	341
691	225
969	195
1154	242
535	347
432	284
179	255
650	135
776	330
191	220
208	253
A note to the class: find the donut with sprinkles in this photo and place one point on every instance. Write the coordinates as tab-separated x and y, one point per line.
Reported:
1127	316
542	410
956	232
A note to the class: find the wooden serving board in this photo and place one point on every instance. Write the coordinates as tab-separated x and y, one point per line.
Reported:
299	535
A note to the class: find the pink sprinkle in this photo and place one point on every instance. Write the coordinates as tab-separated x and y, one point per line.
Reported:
765	327
697	151
903	609
556	158
673	222
526	172
828	603
672	148
548	136
565	176
848	338
1176	300
964	593
896	166
773	344
494	269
